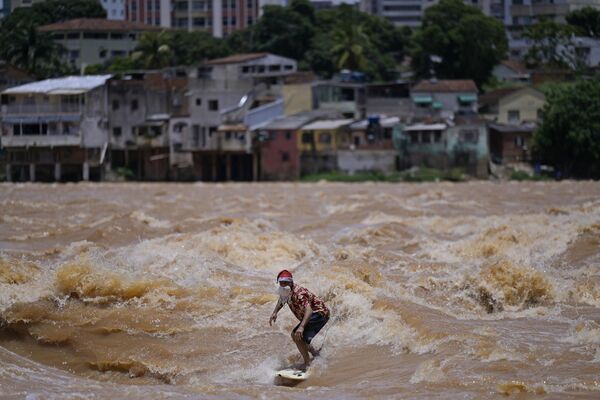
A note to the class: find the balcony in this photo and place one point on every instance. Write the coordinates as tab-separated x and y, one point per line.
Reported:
39	109
41	140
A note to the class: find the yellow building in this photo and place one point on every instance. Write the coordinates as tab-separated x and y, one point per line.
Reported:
297	98
521	106
324	136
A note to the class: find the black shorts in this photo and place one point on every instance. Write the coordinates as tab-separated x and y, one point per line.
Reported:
313	326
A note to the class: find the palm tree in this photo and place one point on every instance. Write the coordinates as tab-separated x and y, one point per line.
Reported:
350	45
153	50
31	50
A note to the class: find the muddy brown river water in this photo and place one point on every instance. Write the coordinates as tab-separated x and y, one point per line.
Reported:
472	290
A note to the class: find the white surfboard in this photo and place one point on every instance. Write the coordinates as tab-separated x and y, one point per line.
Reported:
293	374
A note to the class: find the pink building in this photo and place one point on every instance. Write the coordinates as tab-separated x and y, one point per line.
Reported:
278	147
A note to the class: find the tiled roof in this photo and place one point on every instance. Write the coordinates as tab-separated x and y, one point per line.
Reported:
450	85
515	66
98	24
236	58
491	98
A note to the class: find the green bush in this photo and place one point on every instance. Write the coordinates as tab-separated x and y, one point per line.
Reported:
524	176
412	175
124	172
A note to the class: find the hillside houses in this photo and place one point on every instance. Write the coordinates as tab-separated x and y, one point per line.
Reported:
250	117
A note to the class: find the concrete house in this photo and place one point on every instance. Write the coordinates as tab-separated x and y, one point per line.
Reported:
90	41
278	144
370	146
56	129
445	144
147	122
514	116
230	98
319	142
444	98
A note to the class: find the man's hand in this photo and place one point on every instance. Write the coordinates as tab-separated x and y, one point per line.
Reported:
298	333
272	319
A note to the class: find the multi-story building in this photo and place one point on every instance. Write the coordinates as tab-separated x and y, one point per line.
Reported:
230	98
91	41
147	113
218	17
4	8
399	12
150	12
115	9
56	129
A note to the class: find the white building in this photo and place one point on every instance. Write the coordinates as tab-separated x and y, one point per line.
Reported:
56	129
115	9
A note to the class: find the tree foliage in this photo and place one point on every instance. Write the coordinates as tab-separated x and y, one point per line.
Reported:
552	45
22	45
569	135
468	42
585	21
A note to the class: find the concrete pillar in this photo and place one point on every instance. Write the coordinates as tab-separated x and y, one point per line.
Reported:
86	171
57	172
228	167
255	176
214	167
8	173
32	172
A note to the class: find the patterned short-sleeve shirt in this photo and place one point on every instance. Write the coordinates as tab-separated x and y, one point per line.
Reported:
301	297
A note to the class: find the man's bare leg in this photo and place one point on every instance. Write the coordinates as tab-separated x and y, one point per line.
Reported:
312	350
303	348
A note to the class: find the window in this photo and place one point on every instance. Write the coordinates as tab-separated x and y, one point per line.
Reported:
249	4
198	101
197	5
227	135
288	135
325	138
117	36
514	116
213	105
198	21
225	21
211	130
134	105
285	156
233	4
519	142
115	104
117	131
468	136
250	21
74	54
73	35
539	114
102	53
437	136
307	137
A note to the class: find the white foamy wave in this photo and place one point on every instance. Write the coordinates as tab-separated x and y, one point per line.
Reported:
150	221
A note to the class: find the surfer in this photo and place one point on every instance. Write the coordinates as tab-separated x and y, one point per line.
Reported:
311	311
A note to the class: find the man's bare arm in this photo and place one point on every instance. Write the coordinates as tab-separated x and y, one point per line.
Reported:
278	307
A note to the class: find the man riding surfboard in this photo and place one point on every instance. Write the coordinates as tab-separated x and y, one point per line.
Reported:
311	311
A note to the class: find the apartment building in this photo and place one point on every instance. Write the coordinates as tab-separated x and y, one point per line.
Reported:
56	129
91	41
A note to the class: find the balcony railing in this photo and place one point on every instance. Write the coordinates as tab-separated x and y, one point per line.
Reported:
40	140
44	108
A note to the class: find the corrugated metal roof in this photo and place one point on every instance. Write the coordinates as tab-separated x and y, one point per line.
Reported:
384	122
236	58
327	124
292	122
426	127
61	85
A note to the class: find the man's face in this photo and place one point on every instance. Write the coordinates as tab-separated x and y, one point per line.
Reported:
284	284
